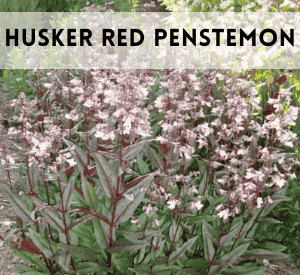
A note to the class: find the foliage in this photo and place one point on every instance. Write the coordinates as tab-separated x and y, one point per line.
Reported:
231	5
143	171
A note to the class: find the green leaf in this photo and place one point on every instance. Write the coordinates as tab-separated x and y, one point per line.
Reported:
127	246
174	229
208	242
34	273
79	221
247	269
216	202
68	194
233	233
106	174
27	256
55	219
131	151
267	220
141	255
199	265
64	260
199	218
248	225
141	269
18	206
161	269
80	156
101	236
89	194
202	185
83	253
88	267
156	160
122	263
41	243
126	208
232	256
213	269
265	254
92	213
274	246
23	268
35	177
142	165
179	251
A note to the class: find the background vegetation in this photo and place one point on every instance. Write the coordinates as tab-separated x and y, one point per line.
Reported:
287	232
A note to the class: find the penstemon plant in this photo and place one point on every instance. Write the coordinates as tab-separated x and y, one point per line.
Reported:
149	172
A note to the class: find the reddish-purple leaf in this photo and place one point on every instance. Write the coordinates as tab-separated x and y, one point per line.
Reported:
29	246
69	171
92	213
90	171
280	80
134	182
165	148
78	190
17	204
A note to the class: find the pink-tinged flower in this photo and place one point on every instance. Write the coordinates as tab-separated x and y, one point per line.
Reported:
223	154
161	139
239	119
48	85
219	207
224	214
293	176
136	221
89	103
127	126
198	205
270	200
72	162
105	136
278	181
148	209
223	192
192	205
194	190
172	204
156	222
237	210
75	81
259	202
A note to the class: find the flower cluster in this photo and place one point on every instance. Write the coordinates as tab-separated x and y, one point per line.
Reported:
243	155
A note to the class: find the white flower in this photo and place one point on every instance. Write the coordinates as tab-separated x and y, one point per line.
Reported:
172	204
198	205
72	162
279	182
270	200
156	222
224	214
238	119
161	139
194	190
136	221
89	103
48	85
127	126
259	202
